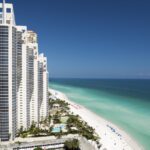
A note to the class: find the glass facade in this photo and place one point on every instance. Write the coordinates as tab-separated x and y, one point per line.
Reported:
19	58
14	83
21	107
30	80
40	86
21	76
4	99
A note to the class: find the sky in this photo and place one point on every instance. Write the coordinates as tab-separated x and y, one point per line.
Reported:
90	38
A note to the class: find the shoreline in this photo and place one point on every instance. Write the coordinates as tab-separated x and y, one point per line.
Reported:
112	136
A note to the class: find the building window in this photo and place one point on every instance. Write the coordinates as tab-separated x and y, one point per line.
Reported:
8	10
8	21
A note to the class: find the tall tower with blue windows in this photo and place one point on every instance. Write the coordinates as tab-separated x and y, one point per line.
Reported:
8	73
21	100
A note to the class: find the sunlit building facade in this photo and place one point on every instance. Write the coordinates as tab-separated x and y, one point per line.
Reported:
43	86
21	101
8	73
32	48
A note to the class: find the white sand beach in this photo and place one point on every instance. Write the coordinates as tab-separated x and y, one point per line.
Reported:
112	137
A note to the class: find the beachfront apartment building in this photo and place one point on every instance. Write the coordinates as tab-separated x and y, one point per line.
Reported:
22	78
32	48
8	75
43	86
20	104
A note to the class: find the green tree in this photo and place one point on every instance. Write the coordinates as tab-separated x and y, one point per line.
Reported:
36	131
71	145
24	135
32	128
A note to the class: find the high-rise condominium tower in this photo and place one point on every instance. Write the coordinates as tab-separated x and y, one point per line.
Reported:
43	86
23	108
8	74
22	73
32	49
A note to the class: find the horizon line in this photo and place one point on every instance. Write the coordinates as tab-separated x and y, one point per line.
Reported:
99	78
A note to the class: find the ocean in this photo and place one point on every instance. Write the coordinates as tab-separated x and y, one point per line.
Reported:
124	102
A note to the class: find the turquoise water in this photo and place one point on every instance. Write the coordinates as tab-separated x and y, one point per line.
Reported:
58	128
123	102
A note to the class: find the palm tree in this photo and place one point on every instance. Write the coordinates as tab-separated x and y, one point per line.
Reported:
36	131
32	128
72	145
38	148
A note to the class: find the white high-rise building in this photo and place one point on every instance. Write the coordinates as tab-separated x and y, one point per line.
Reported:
28	104
8	75
22	73
43	86
32	48
23	104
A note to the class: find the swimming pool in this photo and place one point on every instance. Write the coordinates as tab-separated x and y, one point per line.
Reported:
58	128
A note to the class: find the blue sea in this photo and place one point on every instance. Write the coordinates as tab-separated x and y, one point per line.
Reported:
125	102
